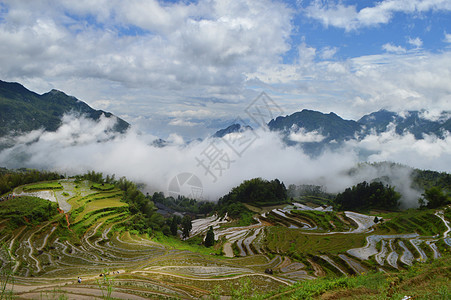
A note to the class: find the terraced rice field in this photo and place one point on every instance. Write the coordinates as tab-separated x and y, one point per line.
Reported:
283	246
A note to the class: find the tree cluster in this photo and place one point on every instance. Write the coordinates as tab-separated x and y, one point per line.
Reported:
27	210
258	192
434	198
10	179
184	204
365	196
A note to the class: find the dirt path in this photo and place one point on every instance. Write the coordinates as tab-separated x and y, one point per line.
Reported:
441	215
213	279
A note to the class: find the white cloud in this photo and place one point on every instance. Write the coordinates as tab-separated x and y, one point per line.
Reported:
181	122
302	136
447	38
202	48
347	17
328	52
81	145
306	54
351	88
416	42
394	49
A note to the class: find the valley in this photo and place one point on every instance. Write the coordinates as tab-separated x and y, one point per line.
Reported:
285	245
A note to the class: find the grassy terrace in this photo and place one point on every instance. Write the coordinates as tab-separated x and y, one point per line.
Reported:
51	185
295	242
48	257
423	222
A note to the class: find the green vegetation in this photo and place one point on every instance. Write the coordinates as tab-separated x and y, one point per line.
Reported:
10	179
106	285
102	186
183	204
434	197
6	272
43	186
422	281
257	192
425	179
325	220
27	210
296	244
364	196
423	222
118	228
210	238
186	226
193	244
31	111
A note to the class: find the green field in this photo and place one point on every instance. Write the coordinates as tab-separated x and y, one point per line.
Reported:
272	258
53	185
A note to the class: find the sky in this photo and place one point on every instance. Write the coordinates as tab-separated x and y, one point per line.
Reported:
180	70
192	67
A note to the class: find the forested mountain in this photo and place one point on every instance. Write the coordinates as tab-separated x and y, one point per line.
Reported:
231	129
333	127
22	110
314	130
413	122
330	126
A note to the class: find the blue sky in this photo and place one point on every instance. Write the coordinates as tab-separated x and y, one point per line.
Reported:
191	67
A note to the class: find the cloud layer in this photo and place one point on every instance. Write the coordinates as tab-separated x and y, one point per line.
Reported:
80	145
348	17
155	62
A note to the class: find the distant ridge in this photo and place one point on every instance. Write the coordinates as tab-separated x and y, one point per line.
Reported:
315	131
22	110
231	129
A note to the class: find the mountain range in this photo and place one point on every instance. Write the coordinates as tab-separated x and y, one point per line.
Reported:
313	129
22	110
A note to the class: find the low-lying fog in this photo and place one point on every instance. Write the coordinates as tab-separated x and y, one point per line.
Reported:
82	145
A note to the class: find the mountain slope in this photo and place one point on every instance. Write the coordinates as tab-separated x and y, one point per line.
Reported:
329	125
231	129
413	122
22	110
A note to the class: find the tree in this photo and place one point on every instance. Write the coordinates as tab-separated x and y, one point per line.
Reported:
186	226
364	196
174	225
210	238
435	197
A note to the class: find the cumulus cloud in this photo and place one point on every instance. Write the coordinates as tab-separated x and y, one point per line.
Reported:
416	42
394	49
181	122
80	145
199	61
447	38
208	44
338	14
302	136
351	88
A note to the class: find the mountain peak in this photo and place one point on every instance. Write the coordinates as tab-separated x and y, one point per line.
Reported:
24	110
